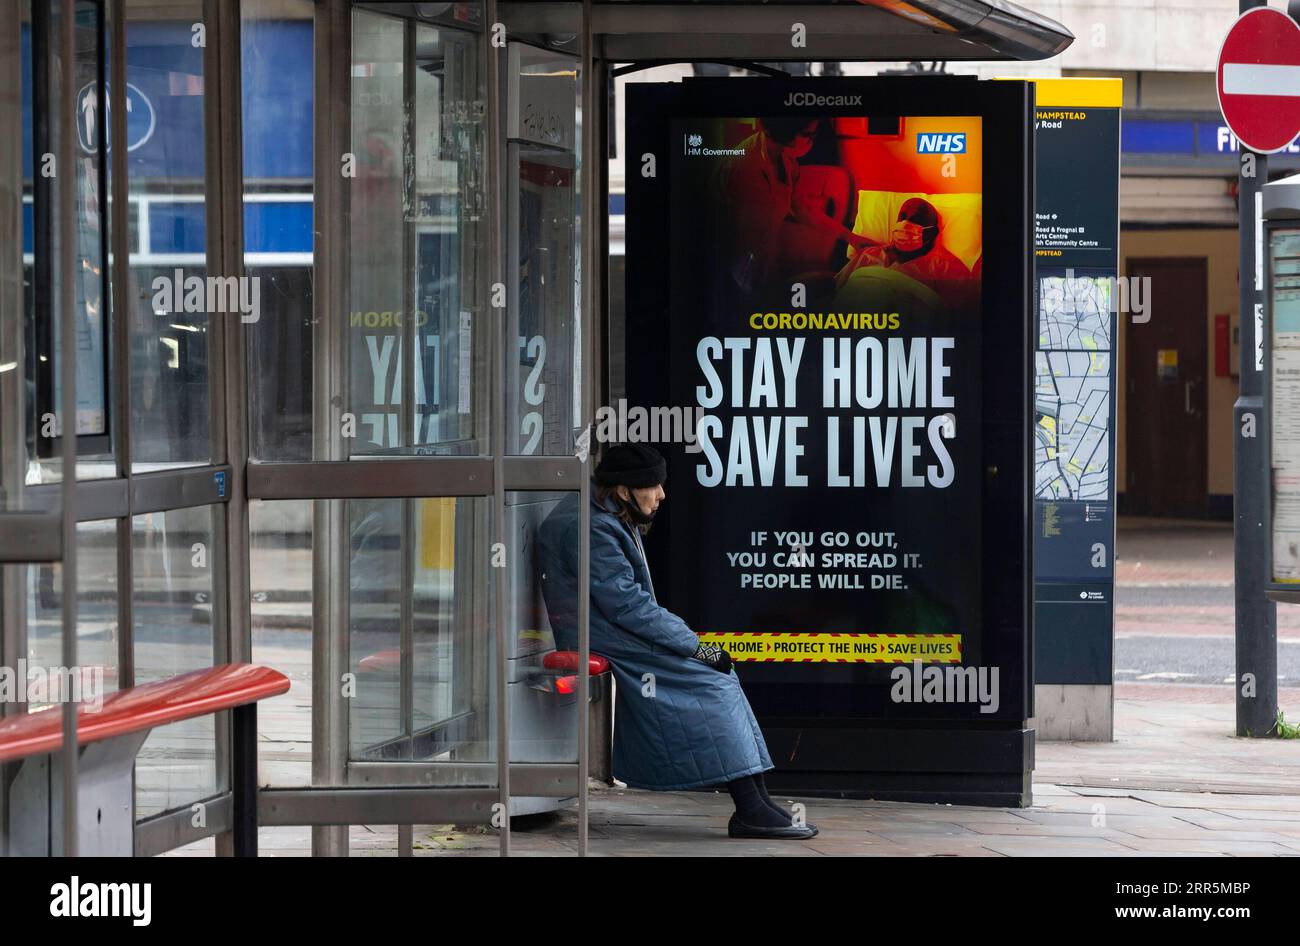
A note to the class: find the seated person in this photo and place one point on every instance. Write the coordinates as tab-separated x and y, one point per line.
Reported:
914	251
690	726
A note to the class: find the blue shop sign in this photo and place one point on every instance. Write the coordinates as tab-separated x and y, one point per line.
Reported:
1190	138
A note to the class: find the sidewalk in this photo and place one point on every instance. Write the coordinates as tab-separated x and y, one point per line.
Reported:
1176	780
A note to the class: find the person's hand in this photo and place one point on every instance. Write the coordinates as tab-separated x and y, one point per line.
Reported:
715	657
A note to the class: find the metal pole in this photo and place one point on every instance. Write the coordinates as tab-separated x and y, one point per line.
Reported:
13	439
497	402
330	542
409	428
243	781
13	606
229	428
590	187
119	231
1256	642
67	178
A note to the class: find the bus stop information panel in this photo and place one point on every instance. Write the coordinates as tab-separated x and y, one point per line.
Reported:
829	282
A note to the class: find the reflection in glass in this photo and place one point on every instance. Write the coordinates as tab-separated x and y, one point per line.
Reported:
541	375
41	97
416	236
542	364
169	321
171	608
419	642
276	46
375	625
280	576
543	703
97	625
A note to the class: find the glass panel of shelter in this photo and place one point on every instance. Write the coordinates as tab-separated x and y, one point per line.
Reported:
542	375
416	236
417	644
165	107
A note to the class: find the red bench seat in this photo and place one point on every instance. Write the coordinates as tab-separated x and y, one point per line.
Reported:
147	706
568	660
109	735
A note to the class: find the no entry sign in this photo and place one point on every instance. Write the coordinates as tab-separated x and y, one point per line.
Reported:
1259	80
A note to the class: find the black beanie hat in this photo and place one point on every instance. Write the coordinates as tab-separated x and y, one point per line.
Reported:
631	464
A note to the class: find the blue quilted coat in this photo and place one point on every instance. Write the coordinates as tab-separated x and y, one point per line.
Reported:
686	725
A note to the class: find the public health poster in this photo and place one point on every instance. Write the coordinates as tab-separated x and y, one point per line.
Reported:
836	369
822	281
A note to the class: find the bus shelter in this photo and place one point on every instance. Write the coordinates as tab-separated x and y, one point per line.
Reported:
326	285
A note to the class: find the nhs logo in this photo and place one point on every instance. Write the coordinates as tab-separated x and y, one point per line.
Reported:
941	143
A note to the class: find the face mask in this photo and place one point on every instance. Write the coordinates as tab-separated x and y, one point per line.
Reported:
908	237
635	513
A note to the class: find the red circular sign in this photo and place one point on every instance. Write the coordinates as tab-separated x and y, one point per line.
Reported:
1259	80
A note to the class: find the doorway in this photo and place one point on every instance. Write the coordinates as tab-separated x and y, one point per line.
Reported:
1165	368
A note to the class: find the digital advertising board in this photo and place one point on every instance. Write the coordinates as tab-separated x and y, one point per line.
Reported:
832	278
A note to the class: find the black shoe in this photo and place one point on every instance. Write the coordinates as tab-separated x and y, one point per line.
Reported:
738	829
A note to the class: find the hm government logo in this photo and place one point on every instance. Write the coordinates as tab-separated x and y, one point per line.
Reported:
693	147
941	143
812	98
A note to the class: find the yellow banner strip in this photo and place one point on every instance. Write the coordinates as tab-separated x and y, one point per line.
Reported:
815	647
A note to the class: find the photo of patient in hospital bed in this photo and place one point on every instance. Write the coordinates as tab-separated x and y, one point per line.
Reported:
912	261
867	214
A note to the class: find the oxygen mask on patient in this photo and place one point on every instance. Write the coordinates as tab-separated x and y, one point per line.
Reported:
908	237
